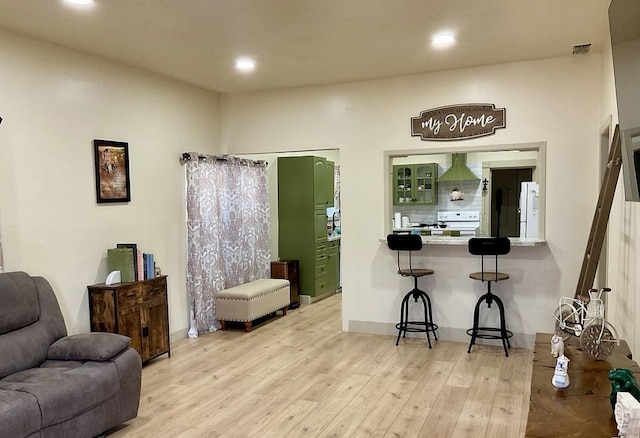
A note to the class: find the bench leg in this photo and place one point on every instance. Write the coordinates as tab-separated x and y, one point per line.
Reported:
223	324
284	311
247	326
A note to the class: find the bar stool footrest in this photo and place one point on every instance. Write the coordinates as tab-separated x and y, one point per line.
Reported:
489	335
419	327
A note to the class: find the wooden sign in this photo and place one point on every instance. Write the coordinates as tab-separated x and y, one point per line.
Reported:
458	122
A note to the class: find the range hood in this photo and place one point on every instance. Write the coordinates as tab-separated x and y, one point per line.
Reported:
458	170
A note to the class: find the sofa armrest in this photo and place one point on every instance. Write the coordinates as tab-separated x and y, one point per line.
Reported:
96	346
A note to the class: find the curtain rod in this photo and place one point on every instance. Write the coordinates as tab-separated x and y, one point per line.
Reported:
190	156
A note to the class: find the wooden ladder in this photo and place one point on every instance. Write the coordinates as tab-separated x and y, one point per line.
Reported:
601	217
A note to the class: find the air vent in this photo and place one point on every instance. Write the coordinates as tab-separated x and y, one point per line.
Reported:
581	49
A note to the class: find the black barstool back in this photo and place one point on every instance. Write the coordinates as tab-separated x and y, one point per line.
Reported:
410	243
494	246
489	246
405	242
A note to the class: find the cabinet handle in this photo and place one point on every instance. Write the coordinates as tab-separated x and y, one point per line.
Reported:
145	332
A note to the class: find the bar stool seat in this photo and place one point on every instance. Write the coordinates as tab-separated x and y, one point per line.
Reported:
489	276
410	243
415	272
489	246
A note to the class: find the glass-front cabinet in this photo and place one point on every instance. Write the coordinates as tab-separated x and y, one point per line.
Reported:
415	184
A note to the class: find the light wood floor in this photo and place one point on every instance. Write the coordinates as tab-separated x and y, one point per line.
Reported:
301	376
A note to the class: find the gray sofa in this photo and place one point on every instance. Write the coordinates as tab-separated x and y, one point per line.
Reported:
54	385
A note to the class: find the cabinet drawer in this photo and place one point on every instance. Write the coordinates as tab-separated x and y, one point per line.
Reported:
321	269
322	285
154	288
129	295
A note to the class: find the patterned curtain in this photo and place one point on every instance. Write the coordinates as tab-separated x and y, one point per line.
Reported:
228	231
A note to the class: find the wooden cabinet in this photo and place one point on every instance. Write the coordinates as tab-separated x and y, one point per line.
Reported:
137	310
415	184
289	270
305	191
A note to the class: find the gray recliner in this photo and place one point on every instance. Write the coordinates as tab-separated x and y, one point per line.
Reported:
54	385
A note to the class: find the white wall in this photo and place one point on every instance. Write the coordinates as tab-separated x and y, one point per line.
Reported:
556	101
623	238
54	103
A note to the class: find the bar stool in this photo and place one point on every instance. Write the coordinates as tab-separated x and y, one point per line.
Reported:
485	246
410	243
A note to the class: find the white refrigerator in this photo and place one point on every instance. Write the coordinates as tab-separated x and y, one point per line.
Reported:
529	210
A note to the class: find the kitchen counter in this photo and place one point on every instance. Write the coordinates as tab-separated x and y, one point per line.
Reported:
464	240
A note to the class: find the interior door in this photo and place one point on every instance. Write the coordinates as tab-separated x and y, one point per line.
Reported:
505	200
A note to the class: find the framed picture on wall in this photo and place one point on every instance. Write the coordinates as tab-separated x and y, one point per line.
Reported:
112	171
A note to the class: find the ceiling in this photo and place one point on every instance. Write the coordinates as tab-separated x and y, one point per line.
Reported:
309	42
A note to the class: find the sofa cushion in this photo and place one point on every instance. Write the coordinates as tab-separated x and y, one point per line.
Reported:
88	346
26	347
19	301
64	392
19	414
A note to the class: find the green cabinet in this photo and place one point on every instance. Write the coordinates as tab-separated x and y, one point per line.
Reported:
327	267
333	264
305	190
322	182
415	184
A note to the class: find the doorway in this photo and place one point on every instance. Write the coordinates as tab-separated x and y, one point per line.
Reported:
505	200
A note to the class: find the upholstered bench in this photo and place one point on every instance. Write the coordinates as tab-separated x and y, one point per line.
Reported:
250	301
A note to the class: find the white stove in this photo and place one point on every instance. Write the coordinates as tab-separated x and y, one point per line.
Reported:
467	222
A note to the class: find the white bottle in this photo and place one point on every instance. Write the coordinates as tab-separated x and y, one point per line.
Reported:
561	375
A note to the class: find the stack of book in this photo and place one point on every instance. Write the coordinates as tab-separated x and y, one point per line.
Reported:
133	264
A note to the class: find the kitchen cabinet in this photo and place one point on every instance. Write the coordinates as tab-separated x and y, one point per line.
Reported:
327	267
323	176
305	191
333	264
415	184
137	310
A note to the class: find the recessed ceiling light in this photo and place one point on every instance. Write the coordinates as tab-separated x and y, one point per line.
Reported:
79	2
442	40
245	65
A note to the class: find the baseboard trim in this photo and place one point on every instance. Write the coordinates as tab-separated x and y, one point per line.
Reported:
519	340
308	299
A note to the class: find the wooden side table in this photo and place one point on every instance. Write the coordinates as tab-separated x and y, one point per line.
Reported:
583	409
289	270
138	310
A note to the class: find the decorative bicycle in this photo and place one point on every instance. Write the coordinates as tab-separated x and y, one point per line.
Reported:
584	317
